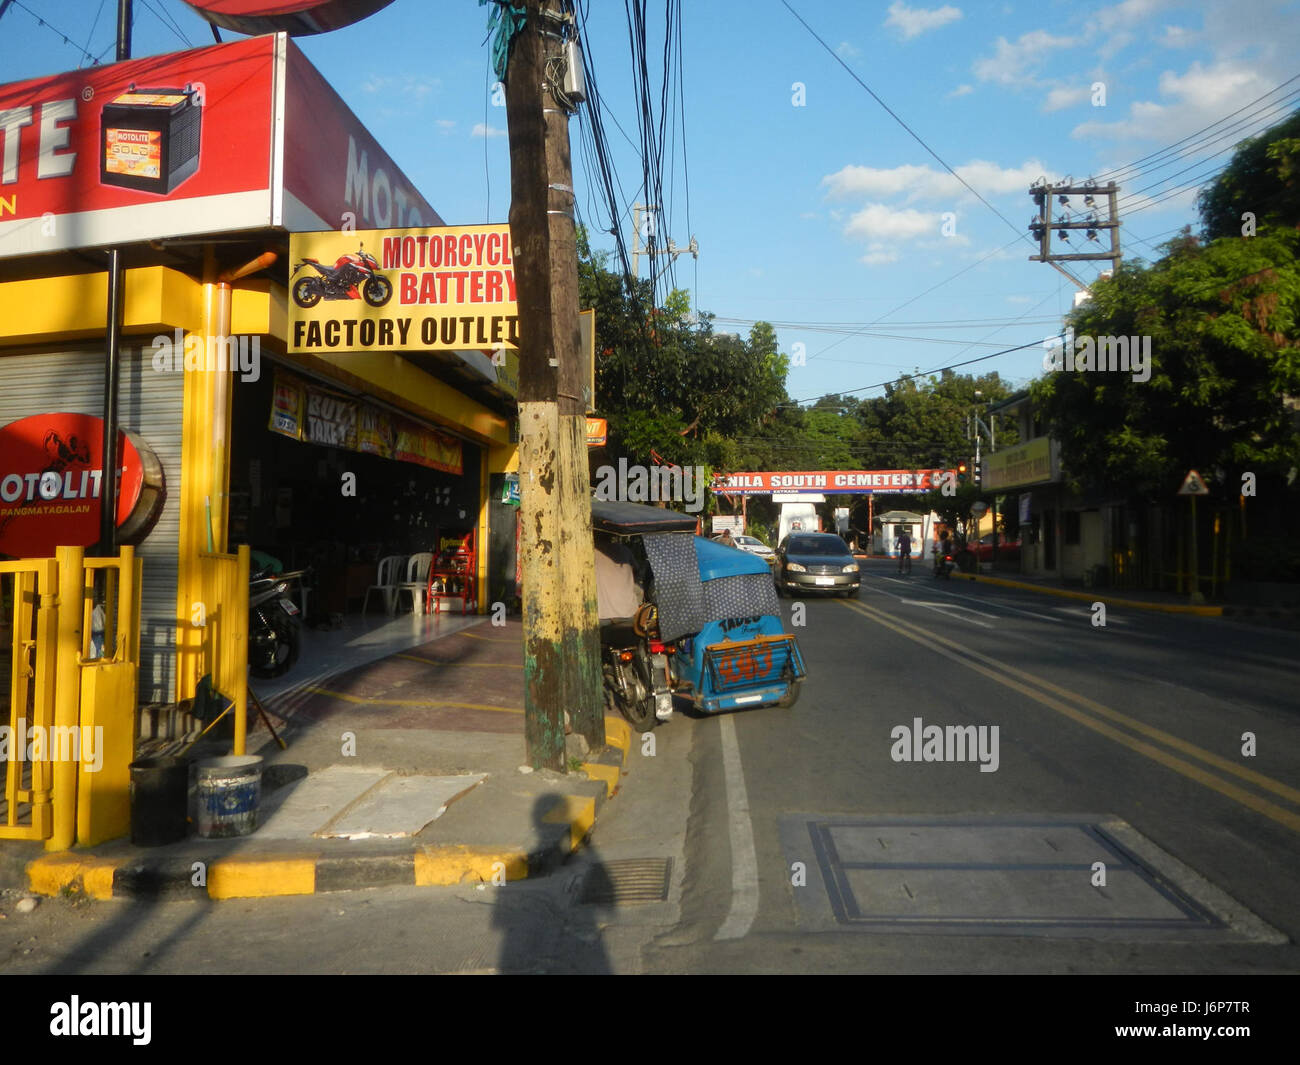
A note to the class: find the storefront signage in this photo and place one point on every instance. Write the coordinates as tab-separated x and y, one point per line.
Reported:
829	482
444	289
597	432
51	479
161	146
331	420
190	143
1029	463
510	489
318	416
288	399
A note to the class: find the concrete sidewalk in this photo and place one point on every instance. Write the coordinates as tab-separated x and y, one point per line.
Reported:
406	770
1145	599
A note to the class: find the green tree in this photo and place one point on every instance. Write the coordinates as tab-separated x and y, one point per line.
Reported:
1222	326
1263	179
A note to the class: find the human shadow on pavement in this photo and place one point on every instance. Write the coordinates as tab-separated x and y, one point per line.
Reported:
551	931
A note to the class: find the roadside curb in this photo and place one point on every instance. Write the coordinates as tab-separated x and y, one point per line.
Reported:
1092	597
563	828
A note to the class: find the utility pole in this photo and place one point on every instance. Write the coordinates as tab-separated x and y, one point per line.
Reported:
647	211
1089	221
113	355
561	631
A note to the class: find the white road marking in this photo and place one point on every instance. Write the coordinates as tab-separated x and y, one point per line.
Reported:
744	859
943	608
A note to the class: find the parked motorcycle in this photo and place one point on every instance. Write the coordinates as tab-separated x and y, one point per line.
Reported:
273	626
352	277
635	665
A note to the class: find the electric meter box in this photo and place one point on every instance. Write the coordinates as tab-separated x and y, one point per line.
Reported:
150	139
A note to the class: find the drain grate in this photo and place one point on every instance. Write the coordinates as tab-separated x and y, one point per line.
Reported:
630	880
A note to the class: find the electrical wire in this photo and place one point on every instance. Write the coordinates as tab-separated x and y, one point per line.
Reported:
1021	234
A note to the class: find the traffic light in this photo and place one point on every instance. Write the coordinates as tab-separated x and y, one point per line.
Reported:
979	480
961	473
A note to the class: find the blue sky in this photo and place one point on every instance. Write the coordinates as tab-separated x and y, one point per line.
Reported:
818	210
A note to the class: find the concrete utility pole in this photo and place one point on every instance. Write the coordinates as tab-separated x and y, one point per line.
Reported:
647	211
561	632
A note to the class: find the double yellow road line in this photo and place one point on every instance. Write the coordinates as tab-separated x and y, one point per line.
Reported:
1139	737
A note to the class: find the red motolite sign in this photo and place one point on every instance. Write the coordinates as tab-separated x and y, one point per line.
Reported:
147	148
239	136
829	482
51	481
296	17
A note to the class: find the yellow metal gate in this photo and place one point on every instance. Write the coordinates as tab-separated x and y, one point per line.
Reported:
69	656
28	623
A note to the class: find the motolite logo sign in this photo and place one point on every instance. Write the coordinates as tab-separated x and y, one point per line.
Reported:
51	483
147	148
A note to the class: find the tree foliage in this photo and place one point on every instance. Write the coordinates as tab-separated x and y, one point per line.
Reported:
1263	179
1222	323
669	385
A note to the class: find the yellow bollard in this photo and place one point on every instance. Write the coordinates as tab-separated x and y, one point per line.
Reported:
67	693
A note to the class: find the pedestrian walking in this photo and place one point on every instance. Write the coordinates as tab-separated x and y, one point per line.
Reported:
904	546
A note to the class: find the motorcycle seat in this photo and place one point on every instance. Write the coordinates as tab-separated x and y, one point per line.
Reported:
617	632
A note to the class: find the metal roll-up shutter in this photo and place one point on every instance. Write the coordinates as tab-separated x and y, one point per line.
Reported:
150	403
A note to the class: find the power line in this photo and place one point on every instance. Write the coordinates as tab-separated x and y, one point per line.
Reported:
927	373
1021	235
40	21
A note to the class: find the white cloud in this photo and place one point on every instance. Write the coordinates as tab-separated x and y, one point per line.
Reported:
480	130
1020	299
445	124
847	51
914	21
879	222
1128	13
1016	64
1179	37
411	86
961	90
1064	96
926	183
1189	100
879	255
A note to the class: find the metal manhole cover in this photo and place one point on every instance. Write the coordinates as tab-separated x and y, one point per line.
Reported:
626	881
1035	875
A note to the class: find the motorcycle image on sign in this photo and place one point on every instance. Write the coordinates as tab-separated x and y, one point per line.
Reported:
353	276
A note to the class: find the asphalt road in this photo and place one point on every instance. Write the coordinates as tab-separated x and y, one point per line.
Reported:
801	841
1139	721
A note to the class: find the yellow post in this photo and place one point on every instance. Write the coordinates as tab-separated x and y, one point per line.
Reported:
204	476
67	693
237	645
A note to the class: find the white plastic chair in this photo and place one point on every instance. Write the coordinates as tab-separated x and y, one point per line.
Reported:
417	579
386	583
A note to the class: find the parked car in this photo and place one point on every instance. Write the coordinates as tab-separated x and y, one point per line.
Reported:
751	544
1008	550
816	562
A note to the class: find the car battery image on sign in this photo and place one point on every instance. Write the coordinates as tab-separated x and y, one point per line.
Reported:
150	139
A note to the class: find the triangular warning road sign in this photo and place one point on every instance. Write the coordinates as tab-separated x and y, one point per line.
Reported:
1193	485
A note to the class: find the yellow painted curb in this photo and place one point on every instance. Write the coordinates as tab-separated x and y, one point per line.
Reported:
578	812
1066	593
618	733
256	878
440	866
51	874
607	773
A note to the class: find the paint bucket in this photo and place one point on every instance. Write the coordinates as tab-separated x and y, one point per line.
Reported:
159	795
229	791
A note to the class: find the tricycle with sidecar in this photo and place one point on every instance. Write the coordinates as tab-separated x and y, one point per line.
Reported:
682	614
